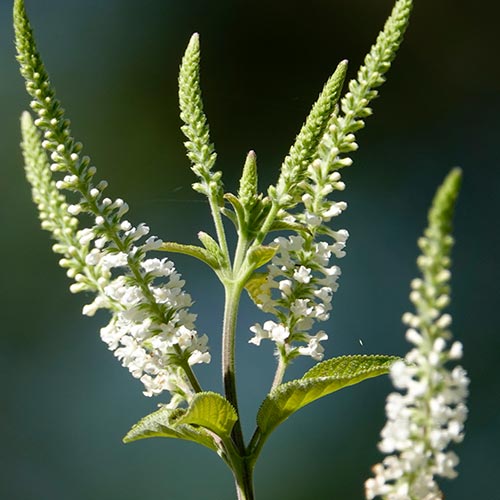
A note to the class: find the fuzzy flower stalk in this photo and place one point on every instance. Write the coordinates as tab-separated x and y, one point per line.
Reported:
430	412
303	275
151	330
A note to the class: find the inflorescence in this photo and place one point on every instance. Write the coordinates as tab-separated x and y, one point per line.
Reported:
151	329
431	412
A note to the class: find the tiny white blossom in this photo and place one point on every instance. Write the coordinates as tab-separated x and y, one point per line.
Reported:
302	271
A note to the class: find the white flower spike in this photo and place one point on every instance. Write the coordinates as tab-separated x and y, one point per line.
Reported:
430	413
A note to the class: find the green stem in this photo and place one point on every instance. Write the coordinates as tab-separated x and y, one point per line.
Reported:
233	293
241	466
258	440
266	226
219	226
190	374
280	372
243	479
241	252
255	446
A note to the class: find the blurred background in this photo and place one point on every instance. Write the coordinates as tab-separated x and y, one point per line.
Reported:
66	402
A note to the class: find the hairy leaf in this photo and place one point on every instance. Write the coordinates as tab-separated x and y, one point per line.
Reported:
159	424
262	255
192	250
212	411
323	379
255	287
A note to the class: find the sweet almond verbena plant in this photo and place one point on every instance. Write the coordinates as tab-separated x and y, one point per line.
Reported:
291	277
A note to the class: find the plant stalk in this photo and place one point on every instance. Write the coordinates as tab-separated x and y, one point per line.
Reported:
219	226
233	294
243	479
280	372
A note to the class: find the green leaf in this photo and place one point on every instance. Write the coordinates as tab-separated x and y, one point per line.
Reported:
239	210
160	424
262	255
212	247
192	250
281	225
212	411
255	287
323	379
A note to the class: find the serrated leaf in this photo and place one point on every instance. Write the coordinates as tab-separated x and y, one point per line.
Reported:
351	366
158	424
323	379
212	411
255	287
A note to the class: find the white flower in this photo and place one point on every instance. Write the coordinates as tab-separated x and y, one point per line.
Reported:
150	330
302	272
314	348
302	275
270	330
430	413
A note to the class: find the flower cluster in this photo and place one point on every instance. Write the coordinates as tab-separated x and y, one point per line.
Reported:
301	274
301	279
151	330
304	284
431	412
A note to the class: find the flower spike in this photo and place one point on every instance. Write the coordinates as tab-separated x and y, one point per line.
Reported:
302	278
200	150
151	329
431	412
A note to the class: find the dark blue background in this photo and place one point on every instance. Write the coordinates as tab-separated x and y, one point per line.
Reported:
66	402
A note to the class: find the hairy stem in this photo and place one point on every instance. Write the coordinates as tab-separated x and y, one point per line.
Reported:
243	479
241	252
219	226
266	226
233	294
280	372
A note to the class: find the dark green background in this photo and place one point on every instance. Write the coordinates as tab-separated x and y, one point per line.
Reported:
66	402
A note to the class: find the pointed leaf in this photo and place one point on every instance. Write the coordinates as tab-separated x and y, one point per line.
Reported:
262	255
255	287
239	210
212	411
323	379
281	225
192	250
212	247
159	424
